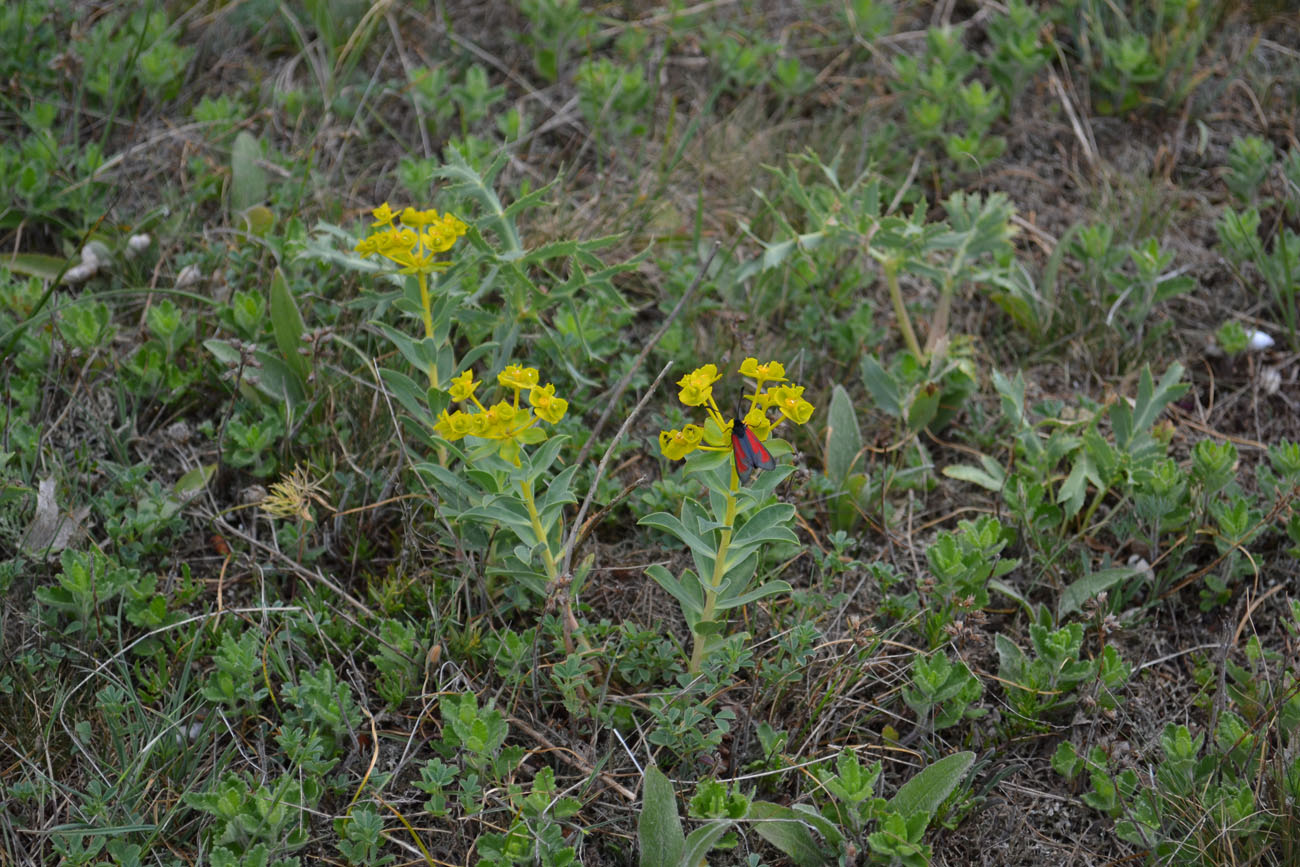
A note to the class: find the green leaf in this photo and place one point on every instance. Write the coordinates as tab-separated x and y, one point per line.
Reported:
707	628
286	320
787	830
259	220
1007	590
769	524
884	387
659	834
1129	424
1150	401
685	592
194	481
247	179
279	381
1012	393
412	350
673	526
702	840
928	789
559	492
1011	660
1089	586
1075	488
771	588
35	264
543	458
843	437
412	397
990	477
925	405
500	511
223	351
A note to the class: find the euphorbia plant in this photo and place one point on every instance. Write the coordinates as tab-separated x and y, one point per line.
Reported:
493	474
727	537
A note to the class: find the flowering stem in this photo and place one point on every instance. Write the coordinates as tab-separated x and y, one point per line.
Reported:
526	488
715	580
426	305
552	570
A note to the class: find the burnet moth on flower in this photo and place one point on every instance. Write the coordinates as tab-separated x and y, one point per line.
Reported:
748	450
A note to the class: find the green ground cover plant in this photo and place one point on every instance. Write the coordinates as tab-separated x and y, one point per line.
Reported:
545	433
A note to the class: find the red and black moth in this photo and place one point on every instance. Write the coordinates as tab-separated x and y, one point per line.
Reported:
749	452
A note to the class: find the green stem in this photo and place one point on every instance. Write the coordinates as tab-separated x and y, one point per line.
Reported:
715	580
426	304
553	571
900	310
1092	507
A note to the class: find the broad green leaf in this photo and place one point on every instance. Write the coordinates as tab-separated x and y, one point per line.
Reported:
35	264
1089	586
925	405
498	514
808	813
545	456
707	628
771	588
686	591
788	831
769	524
471	358
194	481
450	486
278	380
1121	422
222	350
286	321
411	396
928	789
559	492
672	525
702	840
247	179
990	477
777	252
412	350
1011	659
884	387
1130	423
843	436
659	834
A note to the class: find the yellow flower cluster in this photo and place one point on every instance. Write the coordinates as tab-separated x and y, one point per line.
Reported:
697	390
415	244
505	421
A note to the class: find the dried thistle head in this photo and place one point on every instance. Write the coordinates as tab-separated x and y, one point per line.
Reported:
292	496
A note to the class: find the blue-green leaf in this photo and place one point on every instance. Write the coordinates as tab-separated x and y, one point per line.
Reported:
931	787
659	834
1089	586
